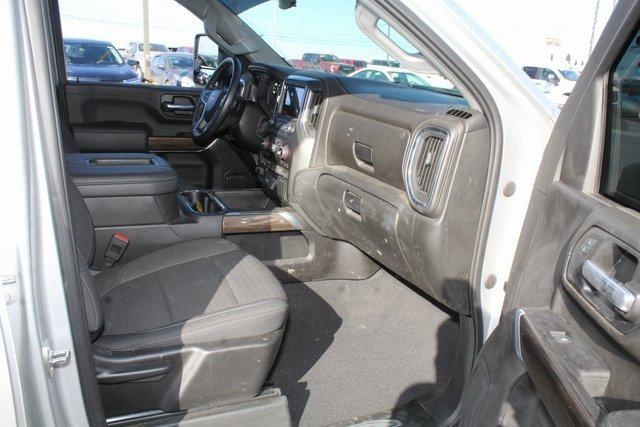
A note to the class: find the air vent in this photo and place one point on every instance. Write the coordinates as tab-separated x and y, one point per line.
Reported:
427	163
424	168
459	113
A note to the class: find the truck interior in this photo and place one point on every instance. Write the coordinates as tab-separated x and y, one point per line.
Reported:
292	246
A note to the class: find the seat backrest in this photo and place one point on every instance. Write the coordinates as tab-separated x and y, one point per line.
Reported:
84	241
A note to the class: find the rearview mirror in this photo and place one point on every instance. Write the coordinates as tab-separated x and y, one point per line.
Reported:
286	4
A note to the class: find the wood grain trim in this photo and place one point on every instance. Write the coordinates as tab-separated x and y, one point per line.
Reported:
256	223
171	143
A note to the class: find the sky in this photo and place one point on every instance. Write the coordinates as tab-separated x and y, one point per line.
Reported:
528	30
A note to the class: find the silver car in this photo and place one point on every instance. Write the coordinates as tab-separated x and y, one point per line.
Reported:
169	68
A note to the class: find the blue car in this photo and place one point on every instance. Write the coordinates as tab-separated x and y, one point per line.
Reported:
97	61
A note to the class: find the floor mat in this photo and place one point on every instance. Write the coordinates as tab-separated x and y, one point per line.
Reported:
354	348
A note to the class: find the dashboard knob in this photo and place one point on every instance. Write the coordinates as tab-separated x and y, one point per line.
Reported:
283	153
266	144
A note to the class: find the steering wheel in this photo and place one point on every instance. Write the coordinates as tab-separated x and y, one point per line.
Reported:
216	101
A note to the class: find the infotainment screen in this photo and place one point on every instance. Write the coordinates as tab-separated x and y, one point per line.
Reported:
293	101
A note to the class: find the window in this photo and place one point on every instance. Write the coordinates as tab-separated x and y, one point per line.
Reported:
181	61
549	75
90	53
104	42
621	163
323	36
378	76
154	47
408	79
570	75
156	61
532	72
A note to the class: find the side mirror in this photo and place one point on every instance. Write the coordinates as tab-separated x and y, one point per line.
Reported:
133	63
205	58
161	66
553	79
286	4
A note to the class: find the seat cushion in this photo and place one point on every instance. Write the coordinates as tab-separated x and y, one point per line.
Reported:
193	292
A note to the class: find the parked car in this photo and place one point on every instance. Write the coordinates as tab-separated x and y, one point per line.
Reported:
405	77
184	49
171	68
328	62
304	65
135	50
556	83
385	63
390	74
357	63
96	61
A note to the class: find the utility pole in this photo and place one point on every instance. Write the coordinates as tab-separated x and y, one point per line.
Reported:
593	28
145	29
273	24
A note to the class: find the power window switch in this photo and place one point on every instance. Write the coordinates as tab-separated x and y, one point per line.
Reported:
588	245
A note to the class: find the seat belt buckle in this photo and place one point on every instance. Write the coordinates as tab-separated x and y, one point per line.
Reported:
117	245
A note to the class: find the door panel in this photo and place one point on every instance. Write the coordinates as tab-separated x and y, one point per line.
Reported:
571	319
151	118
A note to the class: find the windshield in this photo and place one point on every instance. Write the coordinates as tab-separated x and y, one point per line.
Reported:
181	61
570	75
408	79
323	35
91	54
153	47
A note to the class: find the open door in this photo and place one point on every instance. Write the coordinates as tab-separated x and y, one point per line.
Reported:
567	348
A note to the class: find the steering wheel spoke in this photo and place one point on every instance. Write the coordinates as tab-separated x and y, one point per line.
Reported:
204	96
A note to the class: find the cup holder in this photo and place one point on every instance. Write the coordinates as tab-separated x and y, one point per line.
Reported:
201	202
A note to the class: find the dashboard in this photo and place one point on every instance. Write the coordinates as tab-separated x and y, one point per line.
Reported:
398	172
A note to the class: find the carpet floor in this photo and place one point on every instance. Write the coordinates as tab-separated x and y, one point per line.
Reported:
354	348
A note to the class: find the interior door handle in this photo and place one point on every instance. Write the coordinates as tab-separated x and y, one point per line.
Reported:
179	107
608	286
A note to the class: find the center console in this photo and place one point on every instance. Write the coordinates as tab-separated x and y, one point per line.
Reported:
286	148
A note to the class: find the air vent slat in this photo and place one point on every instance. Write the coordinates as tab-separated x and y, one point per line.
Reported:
459	113
427	162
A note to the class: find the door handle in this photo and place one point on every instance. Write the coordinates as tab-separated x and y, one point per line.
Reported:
608	286
179	107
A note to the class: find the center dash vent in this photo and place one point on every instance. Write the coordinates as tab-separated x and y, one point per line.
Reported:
459	113
424	168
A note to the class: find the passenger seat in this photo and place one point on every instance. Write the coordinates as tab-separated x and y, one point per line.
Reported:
195	324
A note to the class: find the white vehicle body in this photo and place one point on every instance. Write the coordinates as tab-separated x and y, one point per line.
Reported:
553	81
134	51
401	75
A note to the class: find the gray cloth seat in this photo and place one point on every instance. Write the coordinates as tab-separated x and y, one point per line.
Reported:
195	324
199	291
